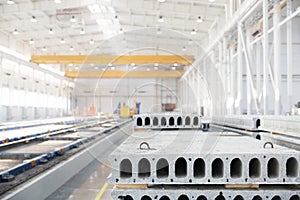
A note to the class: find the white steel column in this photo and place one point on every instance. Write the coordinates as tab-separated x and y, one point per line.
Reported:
199	91
224	71
259	65
266	55
277	61
232	80
239	74
1	87
289	56
251	88
220	61
249	74
194	89
231	8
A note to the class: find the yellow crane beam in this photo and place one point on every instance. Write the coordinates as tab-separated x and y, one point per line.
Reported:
96	74
113	59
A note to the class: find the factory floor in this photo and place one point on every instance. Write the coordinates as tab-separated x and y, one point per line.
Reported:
89	183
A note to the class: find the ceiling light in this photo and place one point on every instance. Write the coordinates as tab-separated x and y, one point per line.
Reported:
96	67
109	64
57	1
70	65
121	30
183	49
73	19
211	1
10	2
193	32
15	32
77	68
173	68
156	64
161	1
132	64
82	31
62	41
71	48
175	64
112	68
33	19
94	8
117	18
31	41
44	49
155	68
51	31
92	41
134	67
190	41
103	69
160	19
199	19
158	31
148	69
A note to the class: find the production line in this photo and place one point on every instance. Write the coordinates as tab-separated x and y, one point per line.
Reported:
191	164
20	159
168	163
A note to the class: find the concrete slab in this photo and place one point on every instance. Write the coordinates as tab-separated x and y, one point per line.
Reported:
167	121
8	163
195	157
30	131
204	193
40	147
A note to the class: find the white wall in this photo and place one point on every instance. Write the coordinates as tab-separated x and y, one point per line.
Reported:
223	61
29	92
150	92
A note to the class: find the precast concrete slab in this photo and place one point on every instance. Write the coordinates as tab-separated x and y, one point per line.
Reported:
8	163
40	146
26	132
195	157
203	193
245	122
284	125
168	121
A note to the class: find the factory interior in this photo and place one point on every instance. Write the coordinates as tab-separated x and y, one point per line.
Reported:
150	99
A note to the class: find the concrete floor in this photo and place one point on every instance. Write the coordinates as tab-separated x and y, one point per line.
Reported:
86	184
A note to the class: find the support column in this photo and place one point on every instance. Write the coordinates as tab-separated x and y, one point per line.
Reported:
265	56
239	74
259	66
231	8
223	70
232	80
249	75
289	57
1	86
277	61
205	84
